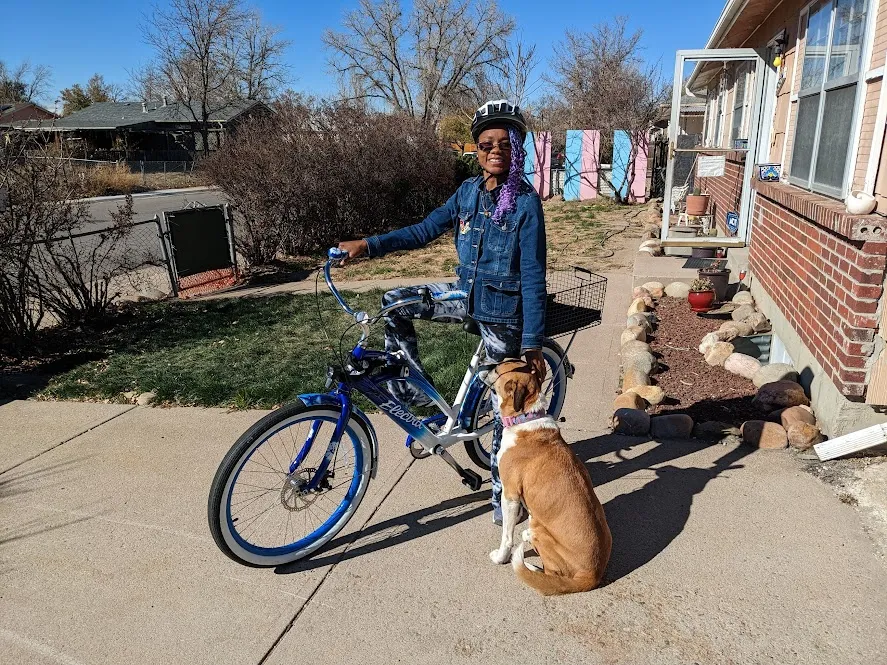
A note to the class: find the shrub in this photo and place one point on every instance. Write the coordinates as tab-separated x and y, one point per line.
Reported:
314	173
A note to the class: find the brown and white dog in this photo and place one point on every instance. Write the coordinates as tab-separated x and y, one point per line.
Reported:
568	528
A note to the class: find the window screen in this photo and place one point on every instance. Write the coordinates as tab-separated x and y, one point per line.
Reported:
837	117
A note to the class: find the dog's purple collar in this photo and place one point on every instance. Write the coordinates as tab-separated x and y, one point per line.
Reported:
521	418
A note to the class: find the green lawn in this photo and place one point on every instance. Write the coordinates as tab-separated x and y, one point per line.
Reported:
239	352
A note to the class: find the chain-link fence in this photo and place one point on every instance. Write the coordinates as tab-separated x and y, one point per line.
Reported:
78	275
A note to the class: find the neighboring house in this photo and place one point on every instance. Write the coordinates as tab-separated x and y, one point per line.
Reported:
816	271
13	112
692	115
141	130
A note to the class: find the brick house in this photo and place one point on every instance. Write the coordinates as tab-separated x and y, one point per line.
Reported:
13	112
816	271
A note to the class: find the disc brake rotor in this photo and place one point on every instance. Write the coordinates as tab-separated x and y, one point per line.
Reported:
294	495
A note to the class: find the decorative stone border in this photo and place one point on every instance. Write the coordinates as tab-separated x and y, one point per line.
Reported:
788	420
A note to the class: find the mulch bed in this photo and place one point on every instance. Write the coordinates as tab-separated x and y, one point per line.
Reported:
693	386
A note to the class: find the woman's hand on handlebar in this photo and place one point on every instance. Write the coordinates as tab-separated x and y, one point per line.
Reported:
354	248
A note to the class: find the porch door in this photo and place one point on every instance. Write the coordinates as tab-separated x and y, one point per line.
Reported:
714	134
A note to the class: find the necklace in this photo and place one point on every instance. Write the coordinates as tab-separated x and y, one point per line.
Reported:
485	197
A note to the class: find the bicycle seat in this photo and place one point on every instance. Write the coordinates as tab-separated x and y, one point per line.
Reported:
469	325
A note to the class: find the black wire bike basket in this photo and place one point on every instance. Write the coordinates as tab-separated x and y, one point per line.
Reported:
575	301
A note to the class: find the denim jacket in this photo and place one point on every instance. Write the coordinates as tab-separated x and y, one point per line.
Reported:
501	266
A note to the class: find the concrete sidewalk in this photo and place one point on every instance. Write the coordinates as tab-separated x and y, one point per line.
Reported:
721	554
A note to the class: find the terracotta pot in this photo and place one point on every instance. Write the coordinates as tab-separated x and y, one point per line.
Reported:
701	301
697	204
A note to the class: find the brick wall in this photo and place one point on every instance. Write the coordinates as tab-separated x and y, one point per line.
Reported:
827	285
725	190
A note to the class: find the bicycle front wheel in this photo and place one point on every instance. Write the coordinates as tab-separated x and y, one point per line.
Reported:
269	504
555	385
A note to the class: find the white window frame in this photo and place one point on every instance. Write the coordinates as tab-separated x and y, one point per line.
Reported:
825	86
742	79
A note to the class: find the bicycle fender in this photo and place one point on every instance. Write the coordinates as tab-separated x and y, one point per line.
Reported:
325	399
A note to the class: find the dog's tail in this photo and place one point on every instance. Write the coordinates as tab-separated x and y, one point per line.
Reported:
549	584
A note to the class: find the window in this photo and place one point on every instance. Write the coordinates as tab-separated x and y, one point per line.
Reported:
739	128
827	98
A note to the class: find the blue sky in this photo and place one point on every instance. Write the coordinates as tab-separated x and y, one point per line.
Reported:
77	39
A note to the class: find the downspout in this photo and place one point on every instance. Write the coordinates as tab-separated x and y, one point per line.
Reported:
871	172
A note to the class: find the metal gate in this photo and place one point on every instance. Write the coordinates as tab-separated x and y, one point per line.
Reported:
199	243
658	165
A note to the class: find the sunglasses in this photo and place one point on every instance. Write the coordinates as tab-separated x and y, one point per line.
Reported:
504	146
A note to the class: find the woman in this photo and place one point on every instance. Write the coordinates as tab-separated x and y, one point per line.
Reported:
500	242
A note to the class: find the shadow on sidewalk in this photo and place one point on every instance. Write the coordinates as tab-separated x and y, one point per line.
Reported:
646	520
396	531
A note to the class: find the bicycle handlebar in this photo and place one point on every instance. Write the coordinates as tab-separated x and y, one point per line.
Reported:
335	258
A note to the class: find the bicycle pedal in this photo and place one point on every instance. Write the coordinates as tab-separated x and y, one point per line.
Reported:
471	480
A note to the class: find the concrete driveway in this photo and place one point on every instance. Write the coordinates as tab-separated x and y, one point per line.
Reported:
721	554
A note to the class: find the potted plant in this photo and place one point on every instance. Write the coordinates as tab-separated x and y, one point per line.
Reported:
702	295
697	203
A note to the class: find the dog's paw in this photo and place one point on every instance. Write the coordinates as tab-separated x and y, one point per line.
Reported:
499	556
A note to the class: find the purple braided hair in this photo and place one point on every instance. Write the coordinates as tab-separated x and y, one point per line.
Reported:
508	196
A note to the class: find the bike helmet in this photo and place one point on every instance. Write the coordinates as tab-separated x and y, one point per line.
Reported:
499	111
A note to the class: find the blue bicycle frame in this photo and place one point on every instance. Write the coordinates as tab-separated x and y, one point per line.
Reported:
456	418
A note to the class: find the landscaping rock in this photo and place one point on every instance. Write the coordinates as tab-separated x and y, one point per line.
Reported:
743	298
651	246
640	320
640	292
634	347
637	305
632	422
803	436
717	355
642	362
677	290
734	329
146	399
651	394
764	435
758	322
796	415
130	395
672	426
742	365
775	372
714	430
780	395
152	294
709	341
629	400
632	378
633	333
743	312
656	289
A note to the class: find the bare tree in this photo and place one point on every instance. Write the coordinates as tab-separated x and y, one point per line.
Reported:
512	78
147	83
211	52
424	61
602	82
23	83
262	72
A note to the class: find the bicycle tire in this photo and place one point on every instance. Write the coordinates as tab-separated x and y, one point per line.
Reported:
221	524
553	354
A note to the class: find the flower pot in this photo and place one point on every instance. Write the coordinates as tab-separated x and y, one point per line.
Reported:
697	204
860	203
704	252
719	279
701	301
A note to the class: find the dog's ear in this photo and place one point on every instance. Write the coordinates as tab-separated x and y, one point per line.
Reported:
520	395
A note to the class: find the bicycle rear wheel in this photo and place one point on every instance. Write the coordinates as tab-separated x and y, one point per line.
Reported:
480	449
261	508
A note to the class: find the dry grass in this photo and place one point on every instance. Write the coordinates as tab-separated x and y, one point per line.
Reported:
580	233
115	179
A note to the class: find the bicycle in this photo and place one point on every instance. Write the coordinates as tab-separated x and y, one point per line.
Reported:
283	467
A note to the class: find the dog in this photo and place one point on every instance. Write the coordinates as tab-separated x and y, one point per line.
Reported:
568	528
